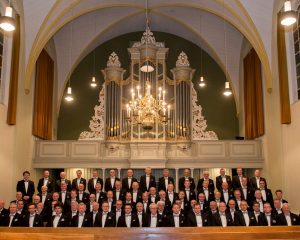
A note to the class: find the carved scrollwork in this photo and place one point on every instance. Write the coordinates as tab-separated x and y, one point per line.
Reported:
182	60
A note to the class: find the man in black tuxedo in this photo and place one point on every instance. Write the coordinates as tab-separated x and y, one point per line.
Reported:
94	214
237	197
65	198
32	219
165	180
237	179
26	187
189	193
110	181
195	218
203	203
3	212
110	200
153	218
182	202
177	218
81	219
254	181
171	194
59	219
266	193
256	210
136	193
286	218
226	193
222	178
61	180
128	181
222	217
46	198
119	193
90	203
258	199
244	217
186	176
128	219
100	195
118	210
267	218
232	208
46	180
13	219
277	207
153	196
82	196
213	208
209	194
128	200
206	178
93	181
145	201
246	191
147	181
105	218
163	197
141	214
161	210
22	209
79	180
279	196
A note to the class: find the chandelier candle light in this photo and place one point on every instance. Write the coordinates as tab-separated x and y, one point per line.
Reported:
147	110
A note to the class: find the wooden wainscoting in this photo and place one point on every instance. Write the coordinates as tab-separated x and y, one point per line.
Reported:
209	233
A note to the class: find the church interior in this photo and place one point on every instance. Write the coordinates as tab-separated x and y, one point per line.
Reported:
199	85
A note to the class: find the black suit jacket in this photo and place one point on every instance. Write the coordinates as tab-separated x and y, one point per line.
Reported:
192	222
204	207
211	185
64	221
162	185
58	182
230	196
159	221
67	203
192	196
143	184
91	188
87	221
30	189
134	221
175	197
102	197
262	220
138	197
239	219
121	195
236	184
269	197
4	213
37	222
109	222
170	220
125	186
16	222
281	220
211	195
75	186
253	183
85	197
219	182
250	195
181	183
108	186
50	185
216	219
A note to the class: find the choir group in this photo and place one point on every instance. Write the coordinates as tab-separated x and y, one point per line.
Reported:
129	202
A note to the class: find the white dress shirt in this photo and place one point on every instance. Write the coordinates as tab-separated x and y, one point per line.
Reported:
153	221
112	182
224	179
26	186
11	217
129	179
223	219
147	181
199	220
117	194
97	196
206	193
94	216
268	217
44	198
56	220
288	220
95	181
118	214
226	196
31	220
171	197
80	220
263	194
246	217
140	216
187	193
176	220
134	196
104	216
63	197
166	182
245	192
128	220
80	195
257	181
46	181
78	181
145	204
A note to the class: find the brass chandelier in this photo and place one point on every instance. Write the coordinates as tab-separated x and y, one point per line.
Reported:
148	110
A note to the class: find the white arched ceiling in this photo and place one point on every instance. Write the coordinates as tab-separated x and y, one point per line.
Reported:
85	36
245	15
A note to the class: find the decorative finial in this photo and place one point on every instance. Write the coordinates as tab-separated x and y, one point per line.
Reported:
113	60
182	60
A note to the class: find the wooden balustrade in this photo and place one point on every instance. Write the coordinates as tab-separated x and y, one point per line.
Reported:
208	233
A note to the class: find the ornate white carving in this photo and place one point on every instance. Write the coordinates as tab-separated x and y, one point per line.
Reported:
113	60
97	122
182	60
199	124
149	37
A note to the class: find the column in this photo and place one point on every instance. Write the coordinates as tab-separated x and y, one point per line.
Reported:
176	178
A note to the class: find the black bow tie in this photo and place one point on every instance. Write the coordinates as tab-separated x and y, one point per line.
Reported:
128	215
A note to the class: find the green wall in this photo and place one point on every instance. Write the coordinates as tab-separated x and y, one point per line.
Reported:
219	111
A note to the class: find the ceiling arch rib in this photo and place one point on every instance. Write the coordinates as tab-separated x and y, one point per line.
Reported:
214	6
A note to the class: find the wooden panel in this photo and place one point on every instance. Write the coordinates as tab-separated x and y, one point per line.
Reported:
53	149
212	233
84	149
211	149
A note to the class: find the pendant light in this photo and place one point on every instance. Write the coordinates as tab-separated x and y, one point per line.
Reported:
69	97
7	22
202	82
288	16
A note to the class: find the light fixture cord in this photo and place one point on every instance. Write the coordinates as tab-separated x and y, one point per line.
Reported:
225	41
147	26
200	29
